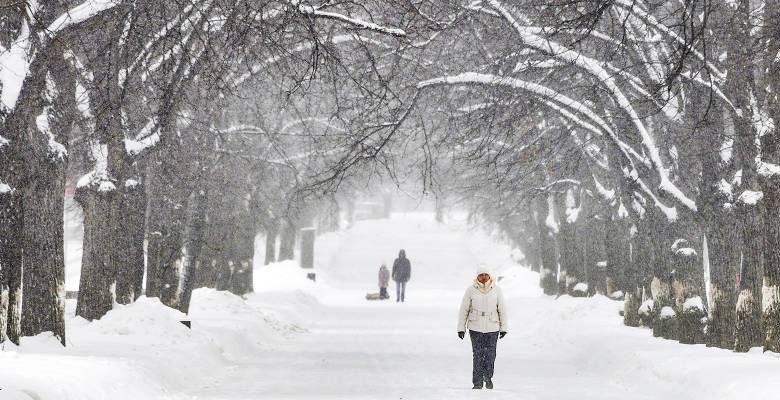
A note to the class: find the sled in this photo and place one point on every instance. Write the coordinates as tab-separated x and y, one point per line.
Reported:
375	296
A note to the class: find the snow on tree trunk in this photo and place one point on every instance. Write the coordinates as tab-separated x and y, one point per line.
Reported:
638	263
720	327
45	119
748	330
192	241
665	323
770	299
568	245
747	119
688	290
10	265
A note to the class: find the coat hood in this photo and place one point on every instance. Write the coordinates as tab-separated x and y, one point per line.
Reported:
483	269
402	253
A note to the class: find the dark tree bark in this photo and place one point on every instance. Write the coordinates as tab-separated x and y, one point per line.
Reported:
769	180
720	327
748	330
665	323
193	240
165	224
45	117
130	238
10	266
98	267
741	88
595	254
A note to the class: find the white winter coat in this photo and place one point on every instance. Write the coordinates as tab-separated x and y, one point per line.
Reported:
483	312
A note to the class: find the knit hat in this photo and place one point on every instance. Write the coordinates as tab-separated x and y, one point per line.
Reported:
483	269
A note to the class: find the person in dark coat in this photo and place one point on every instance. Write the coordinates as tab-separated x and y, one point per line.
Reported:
402	272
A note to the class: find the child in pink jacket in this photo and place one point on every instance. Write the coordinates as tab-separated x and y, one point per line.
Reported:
384	279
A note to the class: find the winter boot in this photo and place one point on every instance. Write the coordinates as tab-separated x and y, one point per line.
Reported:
477	386
489	384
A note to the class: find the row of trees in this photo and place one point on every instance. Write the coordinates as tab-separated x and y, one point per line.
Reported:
188	127
628	148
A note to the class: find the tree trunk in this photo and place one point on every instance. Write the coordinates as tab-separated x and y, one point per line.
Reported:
617	252
688	289
43	275
769	180
287	241
192	242
748	330
10	266
639	261
533	253
98	264
548	274
164	239
43	200
665	322
272	233
130	238
595	257
720	327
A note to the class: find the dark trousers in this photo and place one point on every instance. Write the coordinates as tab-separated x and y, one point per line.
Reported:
400	291
484	347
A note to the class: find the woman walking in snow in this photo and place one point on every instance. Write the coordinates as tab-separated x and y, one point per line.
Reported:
483	312
384	279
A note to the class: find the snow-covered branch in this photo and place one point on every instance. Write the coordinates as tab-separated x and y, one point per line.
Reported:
351	21
594	68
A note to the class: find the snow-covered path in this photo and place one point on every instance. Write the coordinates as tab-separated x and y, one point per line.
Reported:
294	339
386	350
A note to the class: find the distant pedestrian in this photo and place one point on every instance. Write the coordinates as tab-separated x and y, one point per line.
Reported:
483	312
402	272
384	279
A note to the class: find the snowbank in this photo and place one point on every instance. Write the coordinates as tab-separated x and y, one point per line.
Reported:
143	351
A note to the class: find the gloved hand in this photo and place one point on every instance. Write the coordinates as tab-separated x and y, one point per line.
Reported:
501	335
461	334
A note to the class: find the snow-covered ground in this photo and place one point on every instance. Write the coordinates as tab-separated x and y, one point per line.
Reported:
295	339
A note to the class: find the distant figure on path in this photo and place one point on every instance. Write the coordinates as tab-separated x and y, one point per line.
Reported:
402	271
384	278
483	312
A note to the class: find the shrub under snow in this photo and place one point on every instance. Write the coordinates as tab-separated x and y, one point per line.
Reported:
647	307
